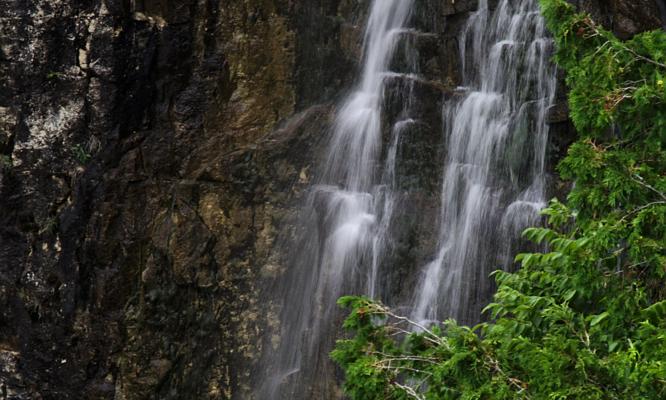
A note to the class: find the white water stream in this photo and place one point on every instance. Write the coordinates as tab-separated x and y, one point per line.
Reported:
494	174
348	214
493	187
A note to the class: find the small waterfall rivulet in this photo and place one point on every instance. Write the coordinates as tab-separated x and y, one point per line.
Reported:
494	173
493	186
346	220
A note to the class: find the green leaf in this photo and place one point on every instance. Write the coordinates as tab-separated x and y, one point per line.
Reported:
598	318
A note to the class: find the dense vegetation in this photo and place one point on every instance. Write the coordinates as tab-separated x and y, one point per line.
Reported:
585	319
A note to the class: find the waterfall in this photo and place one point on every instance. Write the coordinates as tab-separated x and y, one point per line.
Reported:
493	186
494	177
345	221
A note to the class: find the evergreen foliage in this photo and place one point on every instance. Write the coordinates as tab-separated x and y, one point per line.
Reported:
587	318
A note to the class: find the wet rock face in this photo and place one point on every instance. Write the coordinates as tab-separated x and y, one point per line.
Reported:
625	17
149	153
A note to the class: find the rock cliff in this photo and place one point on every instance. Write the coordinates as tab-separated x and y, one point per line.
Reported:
151	150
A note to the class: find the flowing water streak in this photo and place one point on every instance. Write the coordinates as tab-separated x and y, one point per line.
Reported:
359	223
347	217
494	176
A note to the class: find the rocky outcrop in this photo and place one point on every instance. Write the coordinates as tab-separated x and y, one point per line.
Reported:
148	150
625	18
149	153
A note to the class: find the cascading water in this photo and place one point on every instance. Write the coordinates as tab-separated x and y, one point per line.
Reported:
493	187
494	177
346	220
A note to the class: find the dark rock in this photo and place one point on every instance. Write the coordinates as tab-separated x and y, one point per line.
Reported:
558	112
624	17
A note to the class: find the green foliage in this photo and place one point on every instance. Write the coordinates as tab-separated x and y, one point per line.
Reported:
5	162
52	75
82	156
587	318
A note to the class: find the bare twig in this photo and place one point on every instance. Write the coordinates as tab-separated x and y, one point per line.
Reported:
388	358
430	334
638	179
517	383
641	208
410	391
621	46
